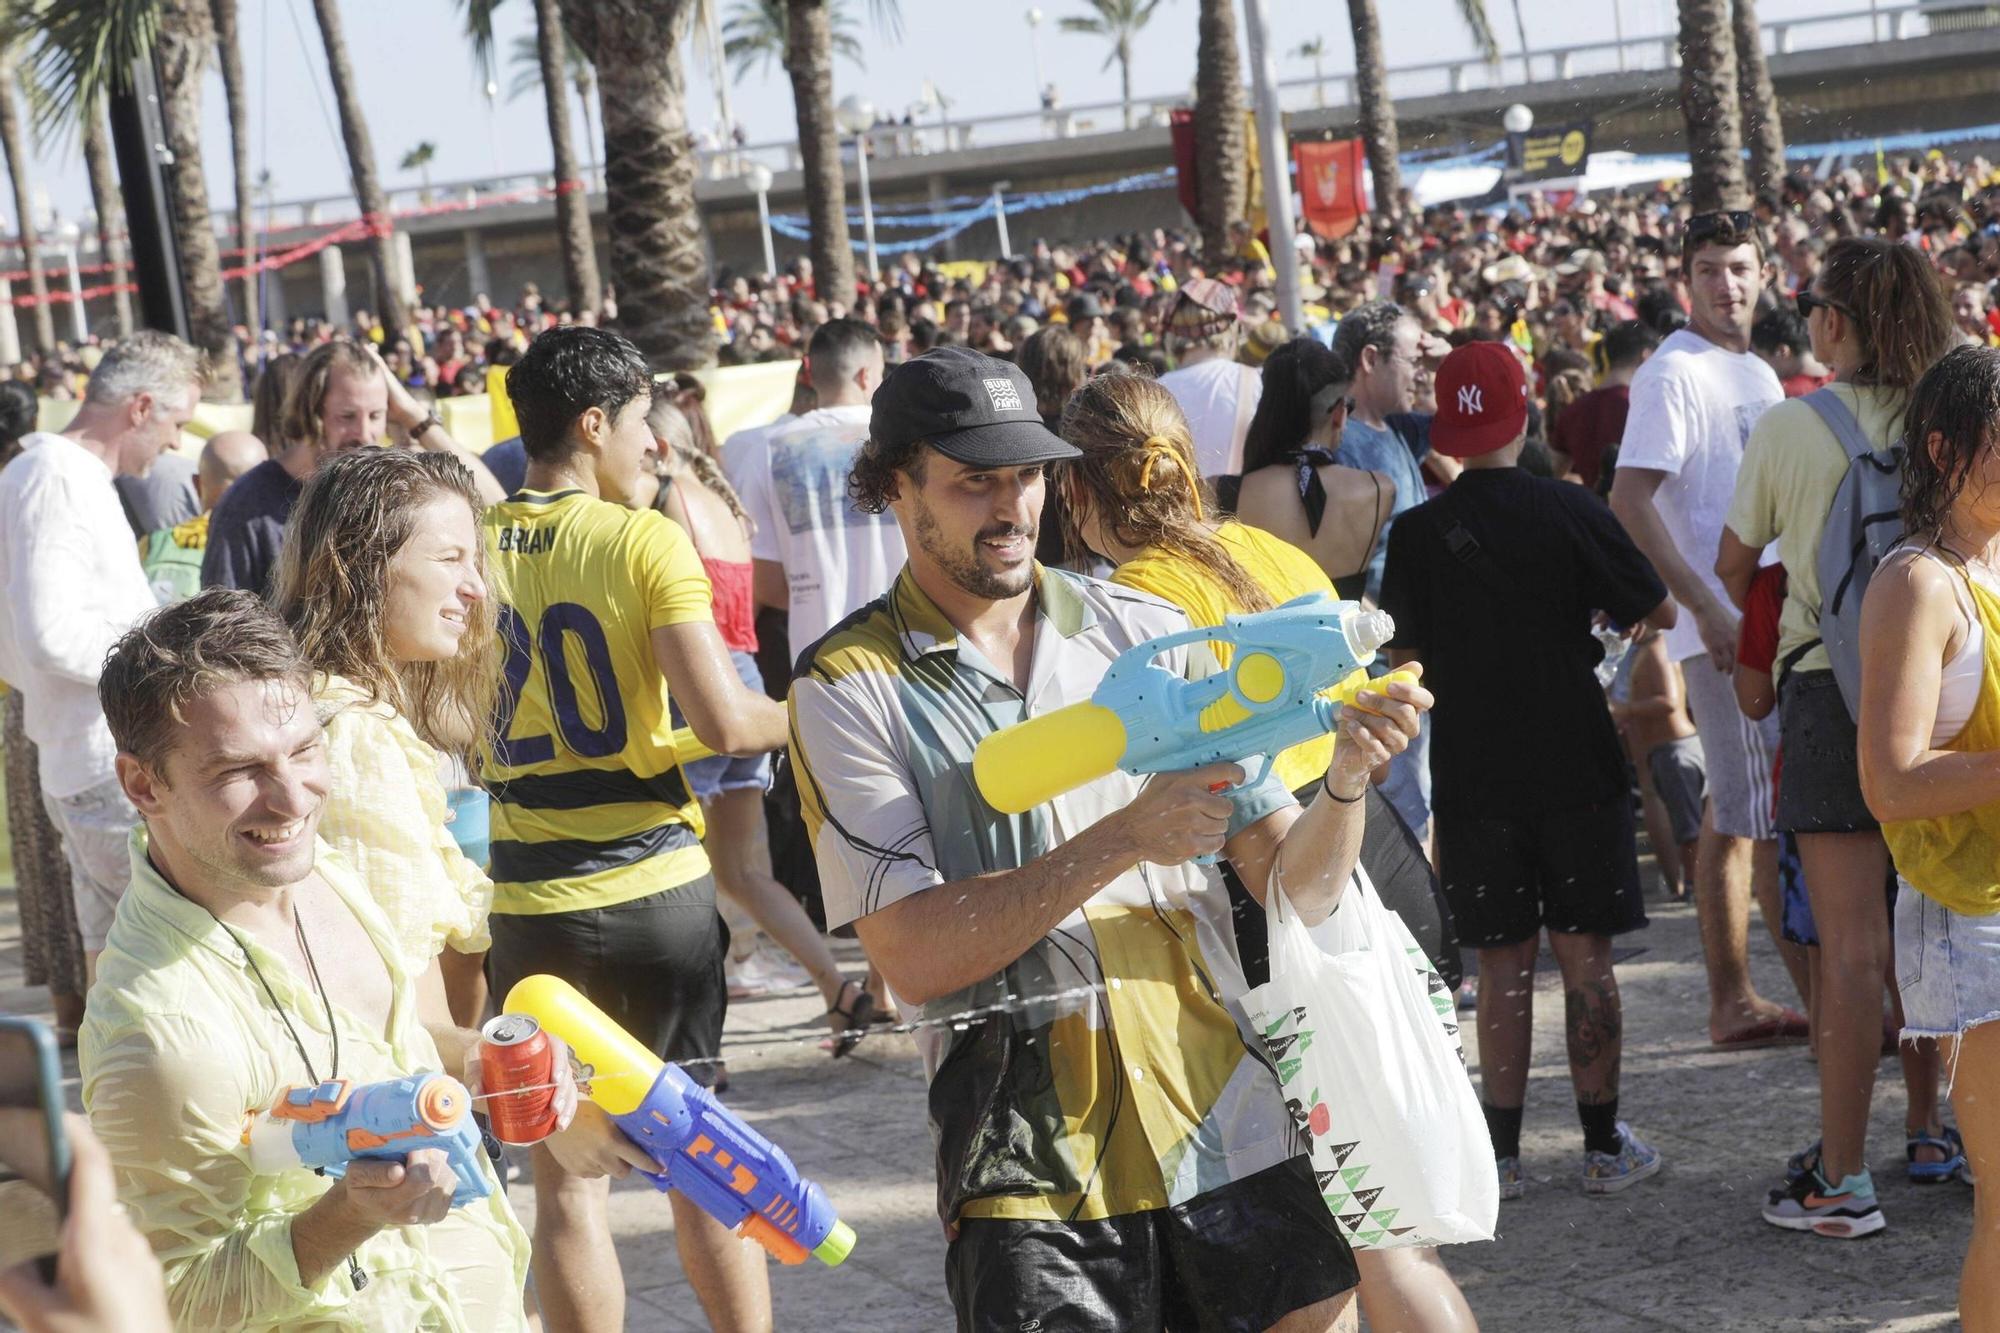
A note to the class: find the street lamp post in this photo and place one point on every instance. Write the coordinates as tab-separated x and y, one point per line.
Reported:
758	178
1034	17
1517	120
71	234
1000	219
856	115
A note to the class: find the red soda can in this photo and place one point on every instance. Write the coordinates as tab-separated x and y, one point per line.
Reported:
517	1069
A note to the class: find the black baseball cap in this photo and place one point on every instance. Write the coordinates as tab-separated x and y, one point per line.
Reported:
970	407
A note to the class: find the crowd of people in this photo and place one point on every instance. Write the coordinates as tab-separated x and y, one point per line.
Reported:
1605	462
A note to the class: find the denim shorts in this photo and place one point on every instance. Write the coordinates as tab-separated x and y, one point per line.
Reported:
96	827
1947	966
708	778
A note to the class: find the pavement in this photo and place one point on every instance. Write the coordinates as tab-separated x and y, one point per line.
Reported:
1684	1251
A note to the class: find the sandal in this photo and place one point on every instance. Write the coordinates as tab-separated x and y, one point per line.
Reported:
856	1014
1931	1173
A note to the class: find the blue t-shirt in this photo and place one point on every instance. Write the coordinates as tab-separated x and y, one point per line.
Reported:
1372	450
247	528
508	462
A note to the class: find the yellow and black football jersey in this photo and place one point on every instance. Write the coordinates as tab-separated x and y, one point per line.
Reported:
590	808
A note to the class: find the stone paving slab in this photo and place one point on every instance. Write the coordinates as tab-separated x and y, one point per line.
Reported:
1686	1251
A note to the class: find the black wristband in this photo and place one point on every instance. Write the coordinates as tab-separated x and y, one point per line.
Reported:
1326	787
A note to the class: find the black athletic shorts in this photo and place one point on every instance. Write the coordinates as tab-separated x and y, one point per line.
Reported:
653	965
1573	870
1235	1260
1820	788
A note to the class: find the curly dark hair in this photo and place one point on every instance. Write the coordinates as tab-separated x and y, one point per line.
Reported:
872	479
1956	402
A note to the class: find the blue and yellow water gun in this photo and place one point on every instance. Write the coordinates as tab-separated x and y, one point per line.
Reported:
1291	670
736	1175
326	1127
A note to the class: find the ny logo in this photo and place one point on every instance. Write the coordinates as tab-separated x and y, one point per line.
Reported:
1470	401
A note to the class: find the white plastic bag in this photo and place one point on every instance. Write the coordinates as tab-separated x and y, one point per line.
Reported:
1364	1036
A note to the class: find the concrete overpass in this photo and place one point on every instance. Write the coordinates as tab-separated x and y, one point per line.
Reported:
1880	70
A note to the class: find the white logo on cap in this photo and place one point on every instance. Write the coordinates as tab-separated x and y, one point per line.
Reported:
1470	401
1006	398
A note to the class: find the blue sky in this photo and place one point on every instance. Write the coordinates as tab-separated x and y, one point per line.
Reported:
420	82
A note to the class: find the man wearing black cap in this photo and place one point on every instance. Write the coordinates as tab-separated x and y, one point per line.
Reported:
1111	1145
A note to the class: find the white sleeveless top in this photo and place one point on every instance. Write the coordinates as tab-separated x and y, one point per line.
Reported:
1958	686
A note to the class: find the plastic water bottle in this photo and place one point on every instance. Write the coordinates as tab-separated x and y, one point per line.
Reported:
1616	645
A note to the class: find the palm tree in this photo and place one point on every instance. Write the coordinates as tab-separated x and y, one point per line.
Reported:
1762	128
526	62
110	207
18	170
1371	88
659	263
1315	51
754	35
85	48
368	192
809	62
1708	104
1118	22
553	60
1221	157
236	95
419	160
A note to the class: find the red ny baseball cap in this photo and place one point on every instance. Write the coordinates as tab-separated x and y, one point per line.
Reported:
1482	400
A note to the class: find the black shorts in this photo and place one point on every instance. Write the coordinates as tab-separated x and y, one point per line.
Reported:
653	965
1820	788
1574	870
1240	1257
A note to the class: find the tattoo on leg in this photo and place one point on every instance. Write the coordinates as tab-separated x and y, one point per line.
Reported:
1595	1025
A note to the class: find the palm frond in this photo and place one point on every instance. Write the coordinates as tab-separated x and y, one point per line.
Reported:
887	16
1074	23
479	29
78	51
1473	12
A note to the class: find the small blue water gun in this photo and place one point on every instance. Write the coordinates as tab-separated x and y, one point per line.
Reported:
324	1128
1291	670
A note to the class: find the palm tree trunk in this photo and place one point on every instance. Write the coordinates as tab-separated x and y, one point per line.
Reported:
1125	78
809	61
579	253
1219	152
586	93
110	206
186	36
236	96
1762	129
1708	104
659	262
1378	113
18	169
368	191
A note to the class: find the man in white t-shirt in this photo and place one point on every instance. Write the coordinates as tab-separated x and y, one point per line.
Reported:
1217	393
71	585
814	553
1693	405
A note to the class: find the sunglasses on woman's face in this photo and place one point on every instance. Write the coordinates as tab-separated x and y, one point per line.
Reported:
1809	303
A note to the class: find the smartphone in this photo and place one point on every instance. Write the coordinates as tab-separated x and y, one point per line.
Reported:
33	1146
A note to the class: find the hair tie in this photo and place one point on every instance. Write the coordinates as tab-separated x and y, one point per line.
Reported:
1158	447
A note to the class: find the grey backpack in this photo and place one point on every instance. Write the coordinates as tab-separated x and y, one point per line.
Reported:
1864	525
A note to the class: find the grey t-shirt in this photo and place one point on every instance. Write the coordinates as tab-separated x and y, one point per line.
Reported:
163	498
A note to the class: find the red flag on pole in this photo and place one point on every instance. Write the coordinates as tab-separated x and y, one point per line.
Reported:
1330	185
1180	121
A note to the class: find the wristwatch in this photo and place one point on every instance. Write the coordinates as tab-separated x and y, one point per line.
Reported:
418	431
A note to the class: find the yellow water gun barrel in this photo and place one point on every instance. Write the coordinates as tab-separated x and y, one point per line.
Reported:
624	1070
1033	762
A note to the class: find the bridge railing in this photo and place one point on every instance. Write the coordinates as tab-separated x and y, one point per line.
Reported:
937	133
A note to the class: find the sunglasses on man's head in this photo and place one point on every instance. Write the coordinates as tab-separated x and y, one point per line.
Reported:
1726	222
